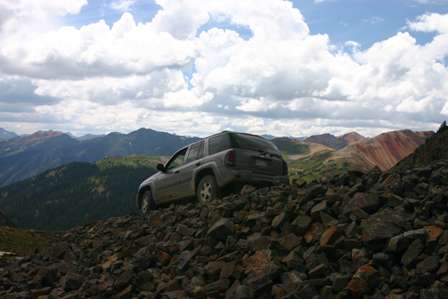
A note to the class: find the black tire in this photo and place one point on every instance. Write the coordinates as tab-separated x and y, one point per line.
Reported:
147	202
207	189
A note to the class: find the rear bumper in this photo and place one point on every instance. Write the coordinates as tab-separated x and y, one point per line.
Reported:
248	177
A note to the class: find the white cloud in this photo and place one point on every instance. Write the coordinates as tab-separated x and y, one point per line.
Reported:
15	16
430	23
113	90
122	5
282	80
95	50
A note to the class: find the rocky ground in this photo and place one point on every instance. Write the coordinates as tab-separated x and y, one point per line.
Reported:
372	236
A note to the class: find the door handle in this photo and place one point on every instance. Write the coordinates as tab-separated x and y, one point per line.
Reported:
198	164
177	171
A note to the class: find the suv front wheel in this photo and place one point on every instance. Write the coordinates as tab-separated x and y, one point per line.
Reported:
207	189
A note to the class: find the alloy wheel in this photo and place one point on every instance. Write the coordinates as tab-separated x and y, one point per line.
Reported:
206	192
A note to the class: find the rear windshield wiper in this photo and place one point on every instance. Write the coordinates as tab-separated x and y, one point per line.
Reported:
263	152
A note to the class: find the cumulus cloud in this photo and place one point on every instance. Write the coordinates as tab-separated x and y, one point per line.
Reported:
430	23
21	92
96	49
171	74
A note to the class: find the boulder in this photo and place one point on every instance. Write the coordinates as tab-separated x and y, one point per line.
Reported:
220	229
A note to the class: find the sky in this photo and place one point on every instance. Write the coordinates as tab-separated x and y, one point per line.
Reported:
191	67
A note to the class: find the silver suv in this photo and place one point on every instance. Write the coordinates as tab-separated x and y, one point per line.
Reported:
214	164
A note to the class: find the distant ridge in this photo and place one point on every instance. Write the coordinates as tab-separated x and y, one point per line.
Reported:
351	137
28	155
89	137
6	135
383	151
291	146
327	140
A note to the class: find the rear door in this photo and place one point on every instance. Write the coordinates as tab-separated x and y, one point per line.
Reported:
257	154
194	154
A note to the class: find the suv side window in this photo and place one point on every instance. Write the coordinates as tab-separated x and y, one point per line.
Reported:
196	152
218	143
177	160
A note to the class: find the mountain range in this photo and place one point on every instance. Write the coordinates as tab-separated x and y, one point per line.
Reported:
359	154
6	135
327	140
25	156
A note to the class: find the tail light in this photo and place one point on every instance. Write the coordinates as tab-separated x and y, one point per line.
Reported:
284	168
230	158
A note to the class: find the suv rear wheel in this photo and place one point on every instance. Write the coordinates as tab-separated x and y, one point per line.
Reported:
147	202
207	189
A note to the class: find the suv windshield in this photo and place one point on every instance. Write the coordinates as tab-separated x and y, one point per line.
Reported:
250	142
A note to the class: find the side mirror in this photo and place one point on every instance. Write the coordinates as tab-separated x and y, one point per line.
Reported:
161	167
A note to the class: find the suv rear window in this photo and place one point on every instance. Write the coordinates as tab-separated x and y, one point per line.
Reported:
218	143
250	142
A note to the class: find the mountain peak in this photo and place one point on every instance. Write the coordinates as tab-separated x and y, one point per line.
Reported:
6	135
144	130
46	134
327	140
352	137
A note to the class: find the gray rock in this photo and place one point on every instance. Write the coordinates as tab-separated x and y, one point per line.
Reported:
259	242
72	281
382	225
319	271
289	242
429	264
315	191
278	220
413	251
220	229
320	207
340	281
301	223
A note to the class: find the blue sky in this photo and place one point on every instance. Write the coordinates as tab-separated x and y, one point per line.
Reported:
363	21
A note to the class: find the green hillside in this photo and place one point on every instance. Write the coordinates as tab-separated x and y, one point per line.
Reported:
77	193
315	167
290	146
